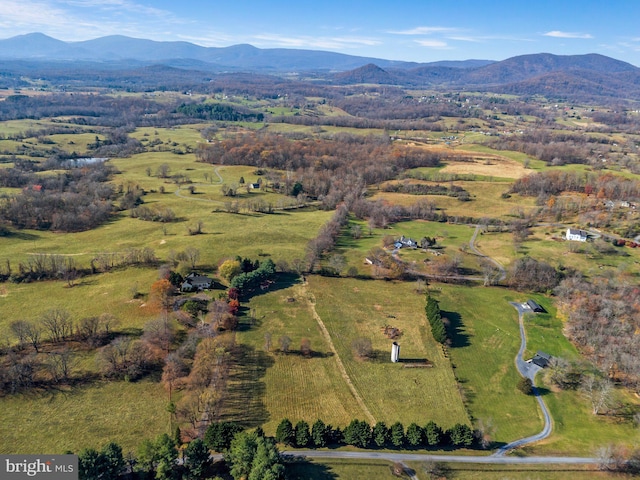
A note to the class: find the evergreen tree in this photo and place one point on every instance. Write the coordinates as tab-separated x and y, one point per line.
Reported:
302	434
415	435
432	434
397	435
91	464
167	456
461	435
380	434
285	433
357	433
197	459
319	434
219	435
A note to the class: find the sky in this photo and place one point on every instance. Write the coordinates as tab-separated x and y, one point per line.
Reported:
413	30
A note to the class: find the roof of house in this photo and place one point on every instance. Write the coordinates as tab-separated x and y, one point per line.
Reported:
535	306
541	359
576	231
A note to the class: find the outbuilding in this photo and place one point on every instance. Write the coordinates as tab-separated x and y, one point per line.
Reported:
535	307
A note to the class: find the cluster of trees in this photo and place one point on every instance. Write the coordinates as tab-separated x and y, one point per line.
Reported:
427	189
28	364
529	274
247	282
603	318
218	111
438	329
157	213
554	148
554	182
75	200
326	239
317	162
360	434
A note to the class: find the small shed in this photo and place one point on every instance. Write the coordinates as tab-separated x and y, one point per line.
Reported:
541	359
535	307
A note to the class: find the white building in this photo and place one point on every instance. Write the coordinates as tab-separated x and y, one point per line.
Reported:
395	352
577	235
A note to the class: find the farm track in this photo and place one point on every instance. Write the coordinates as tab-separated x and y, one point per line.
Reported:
343	372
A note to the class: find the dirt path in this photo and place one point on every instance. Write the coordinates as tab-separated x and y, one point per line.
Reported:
325	333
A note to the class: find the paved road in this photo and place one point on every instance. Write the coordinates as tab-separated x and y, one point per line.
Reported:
528	370
423	457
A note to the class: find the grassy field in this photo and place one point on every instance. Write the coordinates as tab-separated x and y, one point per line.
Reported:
352	309
559	253
484	344
486	201
104	293
91	416
291	385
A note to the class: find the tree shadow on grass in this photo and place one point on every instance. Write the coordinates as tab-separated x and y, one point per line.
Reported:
282	282
302	469
455	330
244	399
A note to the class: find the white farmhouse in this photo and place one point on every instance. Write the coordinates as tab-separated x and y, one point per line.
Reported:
577	235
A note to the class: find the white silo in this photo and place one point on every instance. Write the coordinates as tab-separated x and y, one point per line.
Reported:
395	352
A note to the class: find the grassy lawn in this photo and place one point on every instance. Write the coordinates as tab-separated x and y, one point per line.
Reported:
352	309
330	469
91	416
483	350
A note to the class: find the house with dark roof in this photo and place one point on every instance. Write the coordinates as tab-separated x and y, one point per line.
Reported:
535	307
195	283
541	359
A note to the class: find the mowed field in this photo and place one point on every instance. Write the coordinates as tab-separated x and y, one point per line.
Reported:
353	309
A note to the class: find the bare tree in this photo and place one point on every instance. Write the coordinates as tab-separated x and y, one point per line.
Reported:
285	342
267	341
59	365
33	333
57	322
20	328
192	254
599	392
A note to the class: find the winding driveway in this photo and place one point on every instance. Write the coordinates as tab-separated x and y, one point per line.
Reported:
527	370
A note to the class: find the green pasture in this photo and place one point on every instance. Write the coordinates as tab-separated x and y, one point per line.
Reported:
82	417
352	309
91	296
560	253
577	431
288	384
282	235
485	341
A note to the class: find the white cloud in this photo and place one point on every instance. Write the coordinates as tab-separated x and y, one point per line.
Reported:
560	34
465	39
433	44
424	31
271	40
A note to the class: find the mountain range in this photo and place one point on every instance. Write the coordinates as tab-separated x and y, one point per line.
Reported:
580	76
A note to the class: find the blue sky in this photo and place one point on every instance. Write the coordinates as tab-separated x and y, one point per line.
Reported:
415	30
